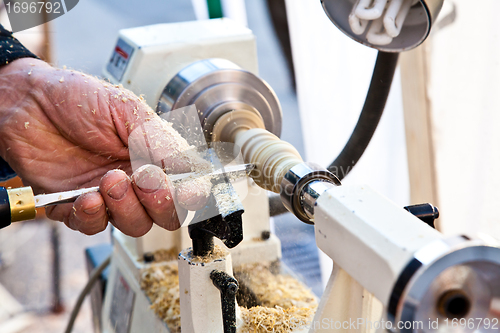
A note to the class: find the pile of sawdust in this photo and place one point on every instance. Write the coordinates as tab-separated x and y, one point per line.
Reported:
165	255
275	289
161	284
287	304
279	320
217	253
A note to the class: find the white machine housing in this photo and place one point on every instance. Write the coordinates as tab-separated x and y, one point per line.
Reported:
394	270
145	59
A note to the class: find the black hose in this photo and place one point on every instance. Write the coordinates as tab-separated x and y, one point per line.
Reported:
380	86
379	89
94	276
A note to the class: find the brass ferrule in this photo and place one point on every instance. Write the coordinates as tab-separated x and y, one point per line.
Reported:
22	204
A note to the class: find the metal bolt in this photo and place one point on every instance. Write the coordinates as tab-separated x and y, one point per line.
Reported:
232	288
148	257
425	212
265	235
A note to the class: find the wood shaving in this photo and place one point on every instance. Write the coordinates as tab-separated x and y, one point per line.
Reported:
275	289
26	124
161	284
165	255
286	303
227	200
278	320
217	253
201	184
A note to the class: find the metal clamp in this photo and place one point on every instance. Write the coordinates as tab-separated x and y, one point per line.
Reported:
301	187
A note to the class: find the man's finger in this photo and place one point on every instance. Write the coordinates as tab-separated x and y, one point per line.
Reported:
154	190
89	214
124	208
61	213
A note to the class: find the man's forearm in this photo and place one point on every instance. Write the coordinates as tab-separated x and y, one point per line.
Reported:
20	85
10	50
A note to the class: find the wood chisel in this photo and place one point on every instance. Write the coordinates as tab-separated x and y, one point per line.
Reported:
19	204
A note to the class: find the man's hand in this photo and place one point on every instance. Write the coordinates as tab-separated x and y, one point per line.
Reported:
61	130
